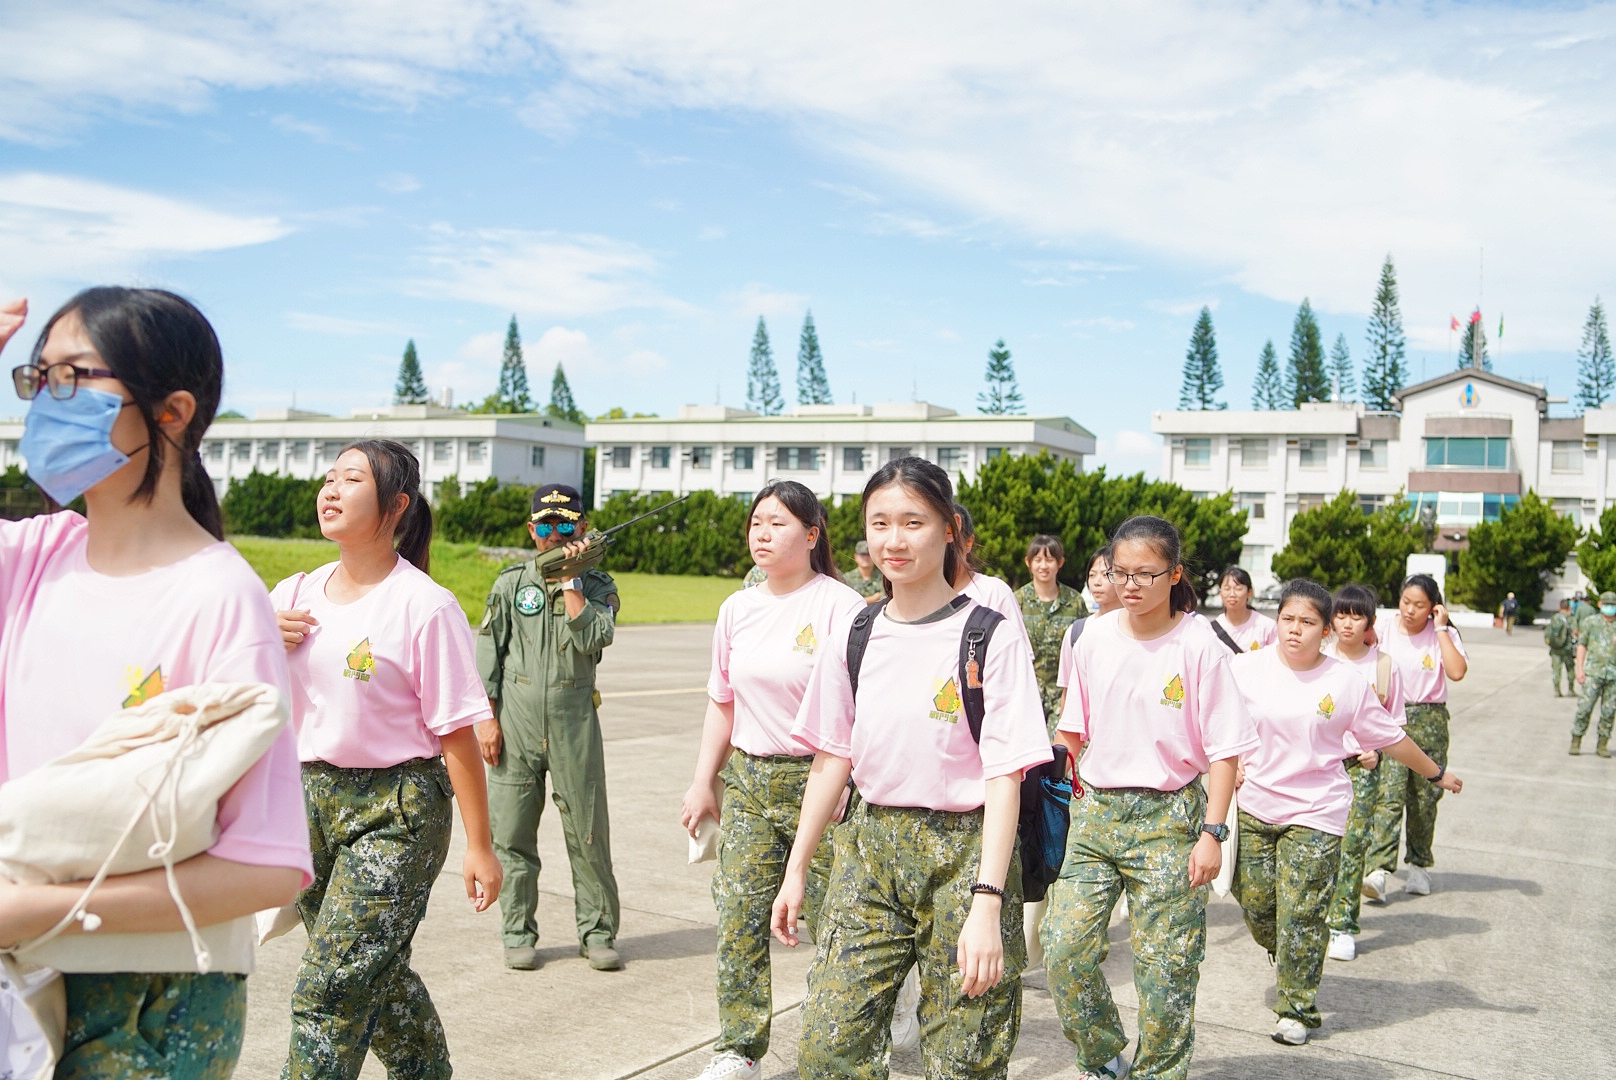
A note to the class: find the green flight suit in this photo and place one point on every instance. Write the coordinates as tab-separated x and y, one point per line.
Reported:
1047	623
538	667
1561	638
1598	636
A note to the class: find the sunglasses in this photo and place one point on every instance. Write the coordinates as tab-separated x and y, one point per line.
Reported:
61	379
543	529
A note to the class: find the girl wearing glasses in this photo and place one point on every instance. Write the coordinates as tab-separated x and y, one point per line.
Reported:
764	648
385	692
924	872
1155	708
105	611
1251	630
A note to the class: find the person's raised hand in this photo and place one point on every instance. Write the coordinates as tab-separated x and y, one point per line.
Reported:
12	315
1439	616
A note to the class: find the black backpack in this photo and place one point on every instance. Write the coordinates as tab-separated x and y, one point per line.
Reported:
1046	791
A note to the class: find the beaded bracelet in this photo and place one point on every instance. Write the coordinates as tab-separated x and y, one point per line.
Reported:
983	887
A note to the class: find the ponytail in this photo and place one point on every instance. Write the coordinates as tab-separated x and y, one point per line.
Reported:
396	473
201	501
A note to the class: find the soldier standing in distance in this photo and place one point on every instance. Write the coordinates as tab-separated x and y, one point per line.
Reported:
865	579
1596	674
1561	638
537	651
1048	608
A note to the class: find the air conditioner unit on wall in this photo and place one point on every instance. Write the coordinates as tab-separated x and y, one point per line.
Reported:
1292	444
1177	442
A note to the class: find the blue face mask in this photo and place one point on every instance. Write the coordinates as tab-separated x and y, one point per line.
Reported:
68	444
1607	609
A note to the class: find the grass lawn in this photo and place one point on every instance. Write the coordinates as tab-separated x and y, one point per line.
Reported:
460	568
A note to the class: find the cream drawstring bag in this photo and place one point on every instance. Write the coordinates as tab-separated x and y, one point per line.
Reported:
143	791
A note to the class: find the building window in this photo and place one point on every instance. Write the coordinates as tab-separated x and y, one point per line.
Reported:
213	449
796	458
1255	504
535	456
1254	559
1570	508
298	450
1311	453
331	449
993	452
1254	453
1372	454
1304	503
742	458
622	457
1567	457
896	452
241	451
852	459
476	451
1197	453
701	457
951	458
661	456
1467	453
1370	504
269	450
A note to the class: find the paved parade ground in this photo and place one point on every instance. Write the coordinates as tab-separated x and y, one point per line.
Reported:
1508	969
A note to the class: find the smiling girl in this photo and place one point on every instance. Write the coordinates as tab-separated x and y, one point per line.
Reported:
385	691
105	611
764	648
1048	610
925	871
1311	712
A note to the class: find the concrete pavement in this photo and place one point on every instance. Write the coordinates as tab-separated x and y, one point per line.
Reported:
1507	969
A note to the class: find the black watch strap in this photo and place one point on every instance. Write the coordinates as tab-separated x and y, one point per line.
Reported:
1220	833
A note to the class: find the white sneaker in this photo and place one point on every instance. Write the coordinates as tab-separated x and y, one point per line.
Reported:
1343	946
906	1014
1417	882
1290	1032
1376	884
1115	1069
731	1066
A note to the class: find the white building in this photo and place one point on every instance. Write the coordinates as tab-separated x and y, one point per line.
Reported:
830	448
1468	443
527	448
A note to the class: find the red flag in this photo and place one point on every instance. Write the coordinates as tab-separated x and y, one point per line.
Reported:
1455	320
1475	316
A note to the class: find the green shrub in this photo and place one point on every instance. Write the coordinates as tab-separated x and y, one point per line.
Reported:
705	534
1518	553
268	504
1597	554
485	513
1338	543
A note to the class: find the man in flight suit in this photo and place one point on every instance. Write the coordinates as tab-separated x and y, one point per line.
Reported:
537	650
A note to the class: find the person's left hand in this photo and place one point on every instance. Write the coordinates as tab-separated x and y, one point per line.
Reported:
484	877
981	946
1369	759
571	551
1439	616
1205	861
1452	783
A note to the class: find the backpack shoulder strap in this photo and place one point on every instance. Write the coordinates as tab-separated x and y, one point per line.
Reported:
979	627
1223	635
1077	630
858	639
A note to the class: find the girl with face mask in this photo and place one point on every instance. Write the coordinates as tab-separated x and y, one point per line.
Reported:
108	610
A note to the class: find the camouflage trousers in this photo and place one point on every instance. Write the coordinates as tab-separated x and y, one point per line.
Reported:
1601	684
1563	663
762	802
899	894
137	1026
1052	699
1139	841
380	838
1348	899
1284	877
1404	792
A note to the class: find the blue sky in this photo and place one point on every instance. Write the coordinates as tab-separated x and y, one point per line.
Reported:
639	182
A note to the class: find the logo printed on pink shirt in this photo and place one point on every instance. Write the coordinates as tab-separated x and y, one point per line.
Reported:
1427	663
806	641
143	687
946	705
360	663
1255	645
1327	707
1173	692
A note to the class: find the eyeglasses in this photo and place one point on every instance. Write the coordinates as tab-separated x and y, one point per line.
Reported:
544	528
1143	579
62	379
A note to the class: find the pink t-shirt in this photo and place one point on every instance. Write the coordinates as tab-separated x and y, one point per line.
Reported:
996	593
764	648
380	680
1257	632
1154	714
907	736
1068	657
1368	665
1296	776
76	646
1419	659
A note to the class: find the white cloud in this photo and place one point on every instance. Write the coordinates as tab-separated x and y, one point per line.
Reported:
399	183
1126	452
291	125
1186	307
62	228
753	299
709	233
337	326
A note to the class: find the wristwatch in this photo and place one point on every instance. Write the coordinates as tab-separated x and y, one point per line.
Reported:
575	584
1220	833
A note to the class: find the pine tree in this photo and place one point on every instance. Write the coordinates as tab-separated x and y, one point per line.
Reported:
1384	372
512	395
1596	368
1341	368
762	379
1268	392
1474	335
562	406
1305	377
1002	396
411	386
813	386
1203	378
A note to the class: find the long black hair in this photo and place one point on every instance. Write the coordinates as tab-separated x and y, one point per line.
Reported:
1240	576
1308	592
1161	535
157	343
1426	584
396	472
805	506
934	488
1101	554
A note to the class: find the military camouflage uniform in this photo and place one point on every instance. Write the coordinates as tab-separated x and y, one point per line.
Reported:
379	839
137	1026
538	667
1599	637
1137	840
1283	880
1355	845
899	895
1404	790
1561	638
873	587
762	803
755	576
1046	624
